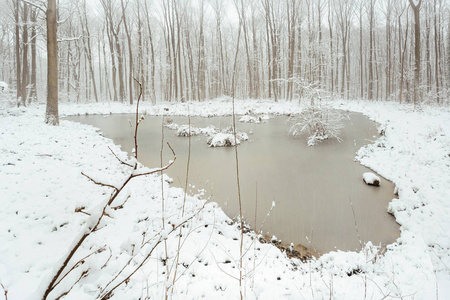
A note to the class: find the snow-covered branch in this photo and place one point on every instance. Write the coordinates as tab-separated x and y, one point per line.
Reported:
40	7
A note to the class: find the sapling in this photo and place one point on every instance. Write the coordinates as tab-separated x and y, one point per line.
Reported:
96	216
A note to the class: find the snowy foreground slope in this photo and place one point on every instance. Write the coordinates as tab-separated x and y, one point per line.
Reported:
41	187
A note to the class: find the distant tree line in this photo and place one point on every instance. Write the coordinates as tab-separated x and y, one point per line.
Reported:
183	49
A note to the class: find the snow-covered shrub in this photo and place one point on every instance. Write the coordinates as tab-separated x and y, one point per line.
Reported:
239	135
320	123
222	139
250	119
3	86
183	130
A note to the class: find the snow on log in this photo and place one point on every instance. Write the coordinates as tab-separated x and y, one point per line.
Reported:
371	179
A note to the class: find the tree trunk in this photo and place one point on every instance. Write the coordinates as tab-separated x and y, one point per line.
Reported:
24	55
436	53
130	53
17	46
34	16
52	117
416	10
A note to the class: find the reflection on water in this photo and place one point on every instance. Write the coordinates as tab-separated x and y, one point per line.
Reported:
311	186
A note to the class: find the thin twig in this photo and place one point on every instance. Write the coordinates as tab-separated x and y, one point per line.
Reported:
237	162
160	169
163	206
356	225
184	196
6	291
99	183
121	161
137	121
84	274
79	263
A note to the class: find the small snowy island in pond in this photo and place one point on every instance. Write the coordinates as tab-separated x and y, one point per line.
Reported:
223	140
226	139
216	137
371	179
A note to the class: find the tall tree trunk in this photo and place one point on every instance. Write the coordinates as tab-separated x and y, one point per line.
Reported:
371	13
436	53
34	16
416	10
16	5
87	49
130	53
24	55
52	117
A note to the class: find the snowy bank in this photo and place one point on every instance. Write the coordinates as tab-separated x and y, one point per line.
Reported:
44	194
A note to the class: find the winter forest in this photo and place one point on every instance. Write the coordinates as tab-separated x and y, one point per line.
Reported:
224	149
185	50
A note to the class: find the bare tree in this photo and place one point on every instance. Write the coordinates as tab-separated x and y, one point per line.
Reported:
416	11
52	117
130	52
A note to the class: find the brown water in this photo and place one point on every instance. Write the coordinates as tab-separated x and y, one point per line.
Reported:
311	186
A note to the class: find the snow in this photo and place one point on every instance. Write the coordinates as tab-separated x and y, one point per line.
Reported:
42	186
371	179
183	130
222	139
3	86
249	119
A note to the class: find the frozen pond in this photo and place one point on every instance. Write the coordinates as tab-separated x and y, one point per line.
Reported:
311	186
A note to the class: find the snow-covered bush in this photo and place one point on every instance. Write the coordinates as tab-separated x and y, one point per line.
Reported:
222	139
320	123
226	138
250	119
239	135
3	86
183	130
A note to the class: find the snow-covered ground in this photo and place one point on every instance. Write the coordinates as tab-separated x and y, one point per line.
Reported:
41	188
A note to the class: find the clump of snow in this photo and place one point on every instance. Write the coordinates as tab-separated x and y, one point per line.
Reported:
371	179
185	130
3	86
240	135
222	139
250	119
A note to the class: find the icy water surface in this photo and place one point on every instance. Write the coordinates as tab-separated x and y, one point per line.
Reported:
311	186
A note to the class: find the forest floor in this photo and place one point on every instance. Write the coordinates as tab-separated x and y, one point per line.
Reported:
41	188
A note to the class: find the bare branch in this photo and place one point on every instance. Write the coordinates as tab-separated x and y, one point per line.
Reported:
137	119
79	263
99	183
6	291
43	9
159	169
84	274
121	161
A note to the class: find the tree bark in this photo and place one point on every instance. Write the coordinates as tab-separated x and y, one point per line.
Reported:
416	10
130	52
52	117
24	55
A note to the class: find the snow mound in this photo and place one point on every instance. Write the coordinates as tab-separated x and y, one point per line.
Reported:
222	139
371	179
185	130
250	119
171	126
3	86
